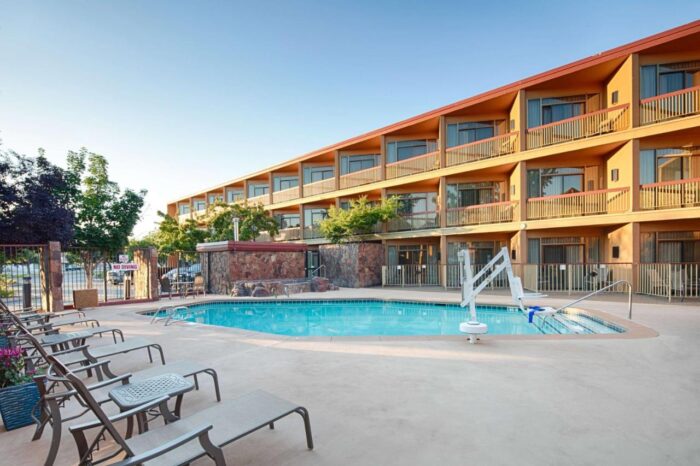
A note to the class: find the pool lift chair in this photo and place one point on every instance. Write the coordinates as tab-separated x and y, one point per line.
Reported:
486	275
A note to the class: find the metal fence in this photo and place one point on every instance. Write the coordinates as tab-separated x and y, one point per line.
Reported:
572	278
411	275
669	280
23	278
452	277
89	269
180	268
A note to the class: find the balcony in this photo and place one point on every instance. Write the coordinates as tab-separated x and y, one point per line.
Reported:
419	164
319	187
285	195
417	221
670	194
496	212
312	232
263	199
584	126
669	106
483	149
360	177
604	201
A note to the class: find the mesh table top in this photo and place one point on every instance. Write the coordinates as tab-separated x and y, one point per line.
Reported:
137	393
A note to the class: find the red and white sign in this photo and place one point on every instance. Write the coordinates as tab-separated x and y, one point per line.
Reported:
125	267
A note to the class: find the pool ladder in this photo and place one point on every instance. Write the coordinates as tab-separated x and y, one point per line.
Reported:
170	312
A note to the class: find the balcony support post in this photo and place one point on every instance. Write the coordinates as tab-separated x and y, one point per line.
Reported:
382	158
442	141
635	167
443	261
634	104
442	211
336	169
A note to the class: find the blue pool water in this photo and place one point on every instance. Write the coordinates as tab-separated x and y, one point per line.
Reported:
375	318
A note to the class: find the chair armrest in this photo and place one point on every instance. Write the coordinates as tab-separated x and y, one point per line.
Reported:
69	350
84	321
197	432
104	383
91	366
120	416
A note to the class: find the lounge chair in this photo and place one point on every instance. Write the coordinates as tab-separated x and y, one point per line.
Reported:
167	287
180	441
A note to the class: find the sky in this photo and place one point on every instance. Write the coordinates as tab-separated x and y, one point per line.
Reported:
180	96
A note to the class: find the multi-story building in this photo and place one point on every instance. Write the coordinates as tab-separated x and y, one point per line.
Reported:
586	173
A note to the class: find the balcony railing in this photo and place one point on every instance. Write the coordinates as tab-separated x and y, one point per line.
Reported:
288	194
289	234
419	164
669	106
496	212
604	201
319	187
483	149
263	199
670	194
418	221
360	177
311	232
583	126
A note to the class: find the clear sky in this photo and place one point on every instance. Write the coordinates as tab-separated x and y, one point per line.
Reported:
183	95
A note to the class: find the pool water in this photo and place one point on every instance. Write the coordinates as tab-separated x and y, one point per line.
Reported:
375	318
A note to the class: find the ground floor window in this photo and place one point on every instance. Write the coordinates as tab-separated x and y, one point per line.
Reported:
480	252
288	220
670	247
413	254
565	250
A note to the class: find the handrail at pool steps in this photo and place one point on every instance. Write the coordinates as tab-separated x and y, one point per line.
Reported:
618	282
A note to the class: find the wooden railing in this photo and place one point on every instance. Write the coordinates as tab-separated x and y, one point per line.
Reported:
604	201
419	164
263	199
670	194
418	221
583	126
483	149
496	212
319	187
288	194
360	177
668	106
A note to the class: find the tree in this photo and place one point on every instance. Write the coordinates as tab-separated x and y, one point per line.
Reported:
359	219
253	220
35	200
171	236
105	216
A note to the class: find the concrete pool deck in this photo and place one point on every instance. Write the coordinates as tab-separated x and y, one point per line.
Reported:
435	401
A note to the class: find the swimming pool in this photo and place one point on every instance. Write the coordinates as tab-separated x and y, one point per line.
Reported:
309	318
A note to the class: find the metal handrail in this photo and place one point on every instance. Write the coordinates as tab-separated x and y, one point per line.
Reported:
313	272
629	297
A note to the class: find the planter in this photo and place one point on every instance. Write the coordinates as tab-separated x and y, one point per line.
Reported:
4	342
17	403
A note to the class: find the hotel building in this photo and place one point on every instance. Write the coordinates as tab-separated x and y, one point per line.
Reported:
587	173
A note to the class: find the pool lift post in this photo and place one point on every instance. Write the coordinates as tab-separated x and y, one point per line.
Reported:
500	263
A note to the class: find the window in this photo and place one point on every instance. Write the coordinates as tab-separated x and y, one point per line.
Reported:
663	79
257	189
285	182
545	111
615	97
287	220
671	246
669	164
615	174
468	194
214	198
554	181
184	209
563	250
314	174
355	163
464	133
417	203
234	195
616	252
480	252
403	150
413	254
314	216
200	205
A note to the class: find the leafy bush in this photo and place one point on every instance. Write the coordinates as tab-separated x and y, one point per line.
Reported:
359	219
6	285
12	368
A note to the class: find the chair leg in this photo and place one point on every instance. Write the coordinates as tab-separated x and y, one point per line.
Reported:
307	426
160	350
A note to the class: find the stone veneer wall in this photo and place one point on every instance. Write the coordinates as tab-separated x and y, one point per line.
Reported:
227	262
353	265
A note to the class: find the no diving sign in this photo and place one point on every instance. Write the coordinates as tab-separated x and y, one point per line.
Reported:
125	267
